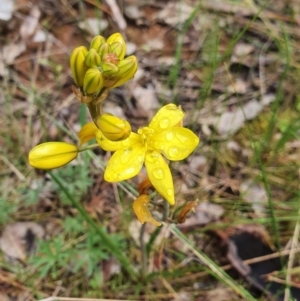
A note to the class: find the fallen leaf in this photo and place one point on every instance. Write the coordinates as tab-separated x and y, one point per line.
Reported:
254	194
205	213
175	13
239	86
93	25
146	98
132	12
30	23
231	121
17	238
6	9
247	242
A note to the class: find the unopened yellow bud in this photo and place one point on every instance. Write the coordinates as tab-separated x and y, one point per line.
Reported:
77	64
127	69
117	45
92	58
109	69
113	128
93	81
118	49
103	50
52	155
97	41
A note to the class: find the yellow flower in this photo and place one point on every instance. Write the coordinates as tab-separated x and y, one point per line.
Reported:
52	155
164	137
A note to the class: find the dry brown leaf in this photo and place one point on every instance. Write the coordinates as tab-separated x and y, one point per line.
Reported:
13	239
146	98
93	26
8	54
231	122
254	194
175	13
30	23
6	9
204	213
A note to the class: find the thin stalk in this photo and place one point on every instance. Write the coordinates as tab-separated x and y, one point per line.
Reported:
92	146
166	210
105	238
143	251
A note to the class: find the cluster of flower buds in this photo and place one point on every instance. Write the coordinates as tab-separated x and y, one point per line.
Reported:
95	71
101	67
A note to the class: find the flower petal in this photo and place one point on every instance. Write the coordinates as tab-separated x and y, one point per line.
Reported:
109	145
125	163
167	117
142	212
160	175
175	144
87	132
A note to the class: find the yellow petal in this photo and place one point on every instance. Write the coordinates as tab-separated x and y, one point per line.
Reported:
87	132
109	145
168	116
52	155
125	163
175	144
160	175
142	212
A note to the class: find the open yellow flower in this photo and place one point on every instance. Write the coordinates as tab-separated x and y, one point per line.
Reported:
164	137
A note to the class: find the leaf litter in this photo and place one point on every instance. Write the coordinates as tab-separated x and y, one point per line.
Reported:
221	174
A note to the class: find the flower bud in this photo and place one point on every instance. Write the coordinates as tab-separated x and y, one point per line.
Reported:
92	58
109	69
97	41
103	50
117	45
77	64
93	81
87	132
52	155
113	128
127	69
118	49
142	212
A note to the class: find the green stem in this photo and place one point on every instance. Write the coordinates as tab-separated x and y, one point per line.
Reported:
143	251
92	146
166	210
105	238
96	105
